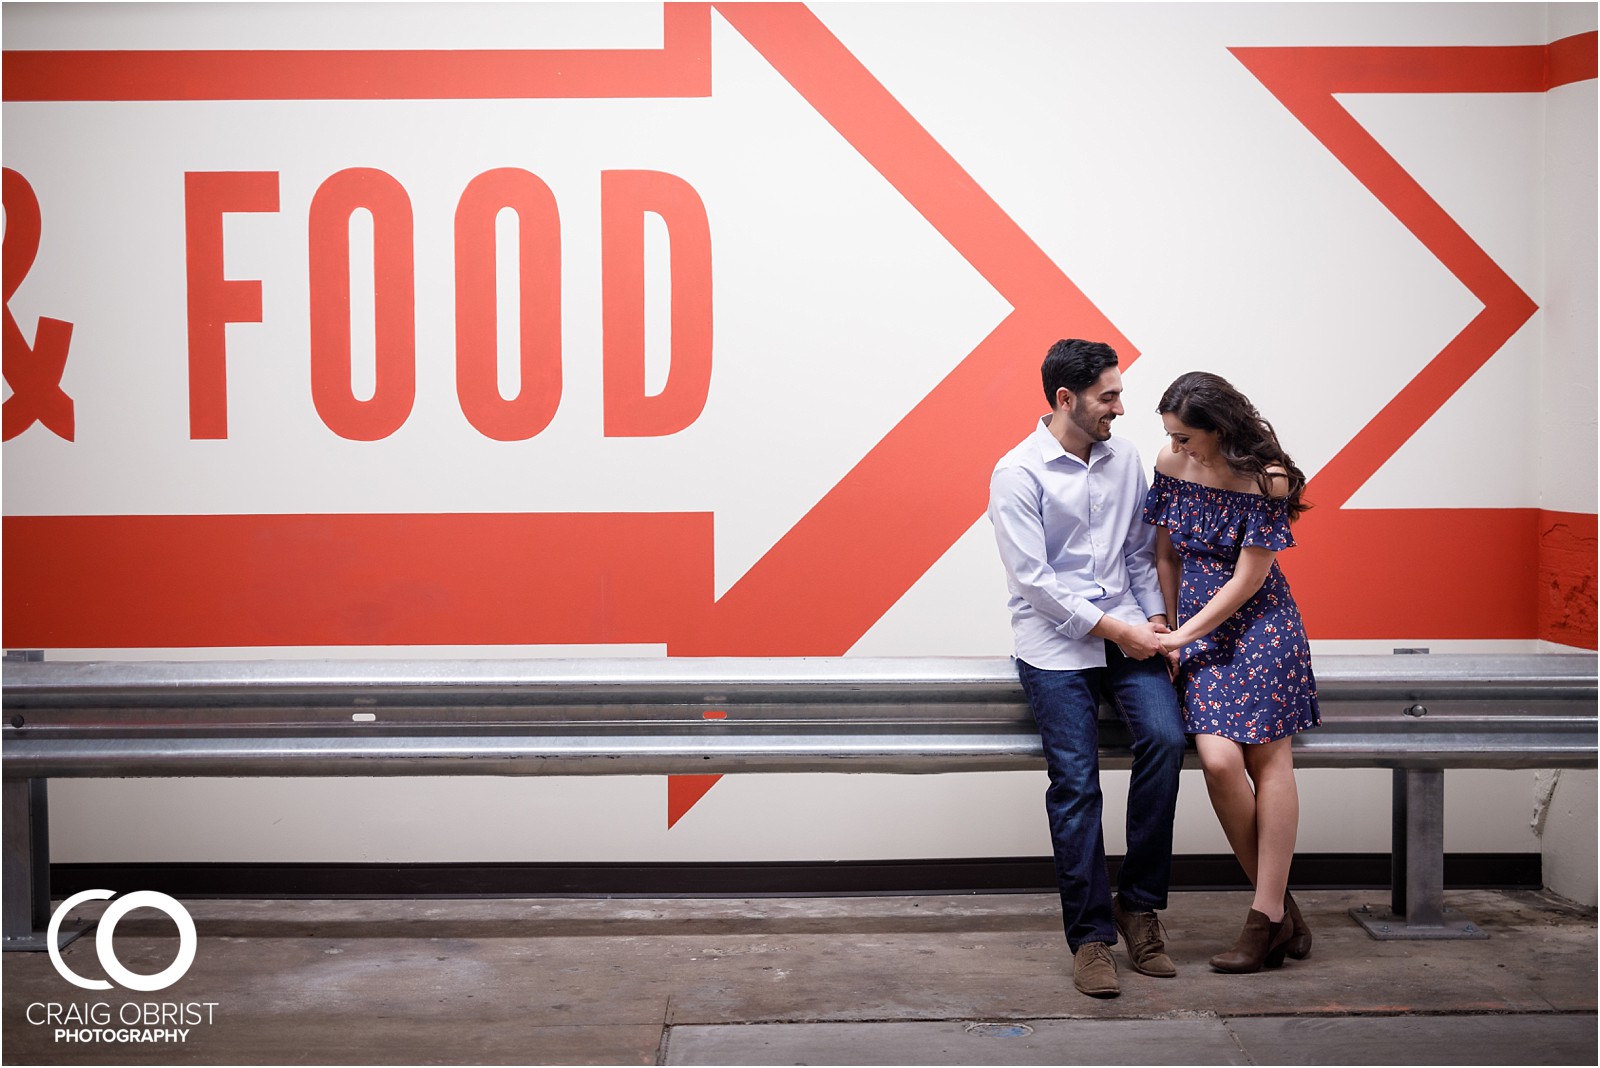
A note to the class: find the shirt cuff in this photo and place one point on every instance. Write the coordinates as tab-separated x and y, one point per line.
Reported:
1080	623
1156	606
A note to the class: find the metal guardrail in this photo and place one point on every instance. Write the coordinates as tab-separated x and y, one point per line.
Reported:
572	717
1417	714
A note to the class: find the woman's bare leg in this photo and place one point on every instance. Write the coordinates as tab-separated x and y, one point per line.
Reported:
1277	819
1232	796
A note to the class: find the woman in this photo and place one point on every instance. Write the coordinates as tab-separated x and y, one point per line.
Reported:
1222	499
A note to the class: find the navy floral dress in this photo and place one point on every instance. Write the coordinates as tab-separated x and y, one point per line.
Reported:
1250	679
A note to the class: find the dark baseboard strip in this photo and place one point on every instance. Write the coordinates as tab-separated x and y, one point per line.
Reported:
1331	871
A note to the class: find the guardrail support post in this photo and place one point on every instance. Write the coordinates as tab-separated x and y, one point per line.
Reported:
27	867
1416	902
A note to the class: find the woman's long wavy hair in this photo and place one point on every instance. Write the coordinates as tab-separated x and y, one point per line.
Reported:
1208	402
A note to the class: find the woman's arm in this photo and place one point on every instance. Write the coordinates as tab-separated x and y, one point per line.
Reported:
1249	573
1168	570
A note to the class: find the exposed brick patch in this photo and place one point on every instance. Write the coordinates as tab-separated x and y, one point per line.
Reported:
1567	582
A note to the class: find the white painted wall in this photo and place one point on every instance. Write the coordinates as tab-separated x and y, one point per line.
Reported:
1564	820
1567	472
1124	139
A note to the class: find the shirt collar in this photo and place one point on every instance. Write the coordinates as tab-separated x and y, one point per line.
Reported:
1050	449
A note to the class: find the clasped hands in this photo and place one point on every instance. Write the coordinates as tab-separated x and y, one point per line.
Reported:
1151	638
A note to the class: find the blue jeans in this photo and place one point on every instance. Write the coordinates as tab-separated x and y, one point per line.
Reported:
1066	708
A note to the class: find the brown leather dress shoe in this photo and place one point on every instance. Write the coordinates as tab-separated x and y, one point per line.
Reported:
1147	947
1094	971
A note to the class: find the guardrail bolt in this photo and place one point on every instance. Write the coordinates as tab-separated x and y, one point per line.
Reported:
1416	710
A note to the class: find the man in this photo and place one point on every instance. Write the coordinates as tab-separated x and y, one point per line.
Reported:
1067	507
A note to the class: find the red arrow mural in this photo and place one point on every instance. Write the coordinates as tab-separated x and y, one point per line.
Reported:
495	579
875	534
262	580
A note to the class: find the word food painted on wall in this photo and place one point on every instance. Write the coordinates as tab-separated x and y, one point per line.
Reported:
214	301
626	197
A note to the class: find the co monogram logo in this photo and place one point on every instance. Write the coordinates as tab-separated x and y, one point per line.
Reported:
107	928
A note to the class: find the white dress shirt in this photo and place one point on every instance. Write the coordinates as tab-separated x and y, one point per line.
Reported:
1074	545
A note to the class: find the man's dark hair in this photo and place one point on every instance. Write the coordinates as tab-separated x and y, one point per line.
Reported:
1075	364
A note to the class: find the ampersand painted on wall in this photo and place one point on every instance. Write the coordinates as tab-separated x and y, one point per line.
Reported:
32	371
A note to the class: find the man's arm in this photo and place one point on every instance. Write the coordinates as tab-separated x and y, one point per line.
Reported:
1015	511
1136	642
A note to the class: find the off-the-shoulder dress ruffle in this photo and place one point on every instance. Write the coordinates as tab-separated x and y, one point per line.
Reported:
1220	518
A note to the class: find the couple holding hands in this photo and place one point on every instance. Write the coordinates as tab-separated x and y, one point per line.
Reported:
1164	599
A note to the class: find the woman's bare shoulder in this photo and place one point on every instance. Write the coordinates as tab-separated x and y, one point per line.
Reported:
1277	481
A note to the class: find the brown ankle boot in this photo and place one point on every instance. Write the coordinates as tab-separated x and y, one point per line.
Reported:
1262	942
1299	946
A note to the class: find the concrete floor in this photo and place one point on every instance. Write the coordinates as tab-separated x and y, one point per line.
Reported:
902	980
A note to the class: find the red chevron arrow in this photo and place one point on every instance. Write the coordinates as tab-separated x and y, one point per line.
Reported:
1446	573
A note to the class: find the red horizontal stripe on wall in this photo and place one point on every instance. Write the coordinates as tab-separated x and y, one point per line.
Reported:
272	580
1573	59
1443	573
492	579
680	68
